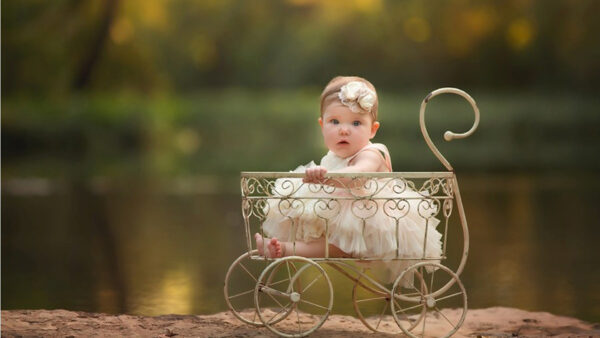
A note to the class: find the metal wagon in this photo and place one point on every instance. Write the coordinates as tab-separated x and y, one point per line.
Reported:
293	296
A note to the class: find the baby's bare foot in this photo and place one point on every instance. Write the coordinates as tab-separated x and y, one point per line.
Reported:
259	243
275	249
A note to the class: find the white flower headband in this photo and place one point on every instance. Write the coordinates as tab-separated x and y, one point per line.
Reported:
356	96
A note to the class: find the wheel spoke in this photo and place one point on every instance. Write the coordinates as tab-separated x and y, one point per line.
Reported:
280	311
409	308
298	316
241	294
251	275
422	281
287	265
293	266
396	303
443	315
419	292
278	282
411	294
381	315
449	296
369	299
313	282
313	304
273	298
297	282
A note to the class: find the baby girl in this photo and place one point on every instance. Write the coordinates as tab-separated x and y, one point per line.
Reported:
348	121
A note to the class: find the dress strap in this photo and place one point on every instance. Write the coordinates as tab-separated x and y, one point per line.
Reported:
380	149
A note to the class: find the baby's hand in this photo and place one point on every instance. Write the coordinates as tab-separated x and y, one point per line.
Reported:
315	175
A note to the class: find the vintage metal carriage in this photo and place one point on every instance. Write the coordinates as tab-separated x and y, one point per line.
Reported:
292	296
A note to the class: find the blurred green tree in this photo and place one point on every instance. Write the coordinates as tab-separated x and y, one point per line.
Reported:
54	47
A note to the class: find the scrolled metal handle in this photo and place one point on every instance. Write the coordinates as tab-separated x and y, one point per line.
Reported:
448	135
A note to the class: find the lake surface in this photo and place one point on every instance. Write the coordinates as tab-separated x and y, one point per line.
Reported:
148	247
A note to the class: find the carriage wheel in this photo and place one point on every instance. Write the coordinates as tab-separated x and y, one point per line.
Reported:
240	281
293	296
372	305
439	287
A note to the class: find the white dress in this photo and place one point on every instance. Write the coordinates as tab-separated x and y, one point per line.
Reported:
360	232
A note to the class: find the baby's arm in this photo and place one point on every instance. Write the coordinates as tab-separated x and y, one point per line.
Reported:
366	161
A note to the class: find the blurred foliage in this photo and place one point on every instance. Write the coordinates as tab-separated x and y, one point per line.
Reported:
163	45
113	87
227	131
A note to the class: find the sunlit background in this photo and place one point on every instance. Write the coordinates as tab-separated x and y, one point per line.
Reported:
125	125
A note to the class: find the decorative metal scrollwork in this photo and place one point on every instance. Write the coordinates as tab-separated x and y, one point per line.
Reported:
428	208
448	135
364	208
396	208
308	209
289	207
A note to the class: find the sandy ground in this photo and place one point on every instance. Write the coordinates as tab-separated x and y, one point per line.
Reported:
491	322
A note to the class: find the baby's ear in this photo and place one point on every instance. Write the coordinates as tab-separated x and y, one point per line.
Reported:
374	128
321	121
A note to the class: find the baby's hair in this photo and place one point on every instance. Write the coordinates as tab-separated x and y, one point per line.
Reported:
330	93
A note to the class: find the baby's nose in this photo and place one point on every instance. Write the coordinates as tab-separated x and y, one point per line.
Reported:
344	130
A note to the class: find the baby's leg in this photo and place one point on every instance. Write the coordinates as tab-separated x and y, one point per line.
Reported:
312	249
272	246
260	245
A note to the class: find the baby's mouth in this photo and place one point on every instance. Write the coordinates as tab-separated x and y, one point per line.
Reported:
343	142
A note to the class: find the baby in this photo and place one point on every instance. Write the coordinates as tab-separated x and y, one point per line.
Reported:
348	122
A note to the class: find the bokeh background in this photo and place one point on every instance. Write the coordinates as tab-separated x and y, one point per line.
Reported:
125	125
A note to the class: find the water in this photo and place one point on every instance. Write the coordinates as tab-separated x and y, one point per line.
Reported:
147	247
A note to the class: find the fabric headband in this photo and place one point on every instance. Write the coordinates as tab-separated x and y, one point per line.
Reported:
357	96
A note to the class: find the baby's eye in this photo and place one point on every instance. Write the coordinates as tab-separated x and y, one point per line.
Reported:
356	123
335	121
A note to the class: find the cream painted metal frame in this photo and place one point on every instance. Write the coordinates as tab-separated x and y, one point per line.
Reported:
293	296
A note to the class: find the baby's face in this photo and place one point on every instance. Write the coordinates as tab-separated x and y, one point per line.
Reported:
344	131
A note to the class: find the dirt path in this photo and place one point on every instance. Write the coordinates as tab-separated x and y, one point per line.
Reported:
491	322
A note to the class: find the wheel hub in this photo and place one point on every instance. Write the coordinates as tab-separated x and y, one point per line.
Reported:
430	301
295	297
